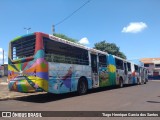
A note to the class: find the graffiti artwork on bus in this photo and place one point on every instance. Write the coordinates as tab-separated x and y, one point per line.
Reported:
29	76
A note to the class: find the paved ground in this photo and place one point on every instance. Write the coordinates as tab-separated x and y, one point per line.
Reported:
133	98
5	94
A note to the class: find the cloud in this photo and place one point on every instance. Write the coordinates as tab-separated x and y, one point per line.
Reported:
134	27
84	41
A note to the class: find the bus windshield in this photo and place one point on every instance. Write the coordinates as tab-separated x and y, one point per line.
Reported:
23	47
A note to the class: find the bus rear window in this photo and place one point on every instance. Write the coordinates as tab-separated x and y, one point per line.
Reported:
23	47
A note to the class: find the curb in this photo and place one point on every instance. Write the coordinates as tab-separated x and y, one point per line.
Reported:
12	98
155	80
3	83
16	97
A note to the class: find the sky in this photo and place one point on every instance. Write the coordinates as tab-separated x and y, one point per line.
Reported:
133	25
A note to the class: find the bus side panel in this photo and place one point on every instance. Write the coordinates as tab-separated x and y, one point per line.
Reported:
63	78
134	80
120	74
104	75
111	70
130	81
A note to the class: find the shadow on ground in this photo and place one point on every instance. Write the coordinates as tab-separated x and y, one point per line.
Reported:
49	97
153	101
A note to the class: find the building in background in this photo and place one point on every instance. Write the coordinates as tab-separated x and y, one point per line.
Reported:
153	65
4	70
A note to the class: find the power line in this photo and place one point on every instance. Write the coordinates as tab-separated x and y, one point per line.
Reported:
70	15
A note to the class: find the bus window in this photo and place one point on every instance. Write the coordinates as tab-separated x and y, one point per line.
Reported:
94	63
64	53
23	47
119	64
125	68
136	68
102	60
129	66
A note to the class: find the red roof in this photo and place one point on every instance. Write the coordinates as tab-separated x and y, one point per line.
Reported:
149	60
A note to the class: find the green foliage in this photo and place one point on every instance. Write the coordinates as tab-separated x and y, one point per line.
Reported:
110	48
65	37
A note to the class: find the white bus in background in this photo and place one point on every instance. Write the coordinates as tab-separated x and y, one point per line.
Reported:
129	73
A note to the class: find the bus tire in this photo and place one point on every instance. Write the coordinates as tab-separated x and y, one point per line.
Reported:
145	81
82	86
120	82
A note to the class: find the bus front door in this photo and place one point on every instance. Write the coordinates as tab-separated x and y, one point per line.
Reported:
125	73
141	75
94	67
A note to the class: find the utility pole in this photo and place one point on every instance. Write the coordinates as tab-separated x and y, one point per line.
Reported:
53	29
3	57
27	29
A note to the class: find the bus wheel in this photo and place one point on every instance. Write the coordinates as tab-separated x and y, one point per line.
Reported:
82	86
120	82
145	81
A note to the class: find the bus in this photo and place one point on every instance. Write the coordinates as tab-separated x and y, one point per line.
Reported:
40	62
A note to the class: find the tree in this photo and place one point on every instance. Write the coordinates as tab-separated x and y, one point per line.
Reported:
110	48
65	37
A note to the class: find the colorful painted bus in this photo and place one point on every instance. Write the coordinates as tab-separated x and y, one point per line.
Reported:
41	62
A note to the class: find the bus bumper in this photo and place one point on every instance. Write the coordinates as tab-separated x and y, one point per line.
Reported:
24	86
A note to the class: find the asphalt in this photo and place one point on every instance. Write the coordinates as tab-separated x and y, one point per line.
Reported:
5	94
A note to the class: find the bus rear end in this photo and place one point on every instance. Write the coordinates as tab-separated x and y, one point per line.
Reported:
27	69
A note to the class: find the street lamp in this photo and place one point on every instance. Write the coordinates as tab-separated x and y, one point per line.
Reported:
27	29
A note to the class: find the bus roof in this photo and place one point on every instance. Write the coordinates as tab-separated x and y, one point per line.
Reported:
76	44
52	37
19	37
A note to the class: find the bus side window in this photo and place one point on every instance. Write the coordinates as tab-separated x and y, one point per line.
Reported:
64	53
136	68
119	64
129	66
102	60
94	63
125	68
